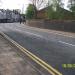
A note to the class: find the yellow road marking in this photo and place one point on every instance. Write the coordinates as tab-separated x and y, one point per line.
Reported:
46	66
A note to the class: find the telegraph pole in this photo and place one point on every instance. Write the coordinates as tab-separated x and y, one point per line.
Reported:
22	8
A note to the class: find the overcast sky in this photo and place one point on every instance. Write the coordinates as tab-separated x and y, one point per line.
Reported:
17	4
14	4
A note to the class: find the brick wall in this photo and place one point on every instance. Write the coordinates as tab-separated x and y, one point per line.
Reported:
63	25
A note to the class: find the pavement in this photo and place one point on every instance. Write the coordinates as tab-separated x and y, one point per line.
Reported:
11	63
56	48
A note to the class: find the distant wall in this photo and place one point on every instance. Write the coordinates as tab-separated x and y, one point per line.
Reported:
63	25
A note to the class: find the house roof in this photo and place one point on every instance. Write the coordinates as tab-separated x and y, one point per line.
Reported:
60	8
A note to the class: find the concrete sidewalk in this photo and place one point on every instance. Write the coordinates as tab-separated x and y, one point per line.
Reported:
51	31
11	63
56	32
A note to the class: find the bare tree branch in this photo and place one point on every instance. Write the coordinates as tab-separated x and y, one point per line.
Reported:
38	3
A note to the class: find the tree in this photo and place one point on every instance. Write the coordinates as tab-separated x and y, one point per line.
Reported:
71	5
50	12
37	5
30	12
57	4
54	9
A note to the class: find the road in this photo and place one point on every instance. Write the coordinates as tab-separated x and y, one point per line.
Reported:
54	49
12	61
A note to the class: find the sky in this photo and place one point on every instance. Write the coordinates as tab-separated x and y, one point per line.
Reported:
14	4
18	4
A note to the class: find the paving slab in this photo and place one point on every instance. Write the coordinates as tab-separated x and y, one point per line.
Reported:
11	63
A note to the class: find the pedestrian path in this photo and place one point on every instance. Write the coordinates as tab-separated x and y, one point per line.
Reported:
63	33
11	63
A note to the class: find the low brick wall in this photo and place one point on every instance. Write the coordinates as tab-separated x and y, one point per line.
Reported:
63	25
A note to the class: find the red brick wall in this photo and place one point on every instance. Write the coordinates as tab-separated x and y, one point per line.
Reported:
41	14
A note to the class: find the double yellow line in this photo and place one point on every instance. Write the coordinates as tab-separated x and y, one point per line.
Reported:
47	67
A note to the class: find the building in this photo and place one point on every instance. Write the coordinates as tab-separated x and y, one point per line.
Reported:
9	15
42	14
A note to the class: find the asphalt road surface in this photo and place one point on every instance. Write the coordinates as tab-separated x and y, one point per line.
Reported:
56	50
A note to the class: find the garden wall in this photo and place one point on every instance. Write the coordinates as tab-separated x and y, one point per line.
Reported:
63	25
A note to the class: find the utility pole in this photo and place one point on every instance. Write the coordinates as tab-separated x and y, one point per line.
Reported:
23	9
